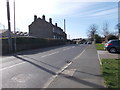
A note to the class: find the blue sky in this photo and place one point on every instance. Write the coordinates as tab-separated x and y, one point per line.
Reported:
79	15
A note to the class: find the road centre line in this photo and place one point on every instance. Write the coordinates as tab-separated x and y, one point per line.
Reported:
26	62
49	54
66	49
12	66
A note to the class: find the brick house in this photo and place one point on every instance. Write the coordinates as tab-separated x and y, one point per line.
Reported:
43	29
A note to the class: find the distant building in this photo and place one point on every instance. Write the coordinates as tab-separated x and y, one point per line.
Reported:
43	29
4	33
77	40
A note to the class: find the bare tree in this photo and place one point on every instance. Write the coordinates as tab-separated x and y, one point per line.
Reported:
92	31
106	32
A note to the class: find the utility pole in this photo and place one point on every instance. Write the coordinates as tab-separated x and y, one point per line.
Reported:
119	19
14	29
64	26
9	28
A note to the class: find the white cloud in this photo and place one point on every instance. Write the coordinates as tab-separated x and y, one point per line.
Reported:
105	12
25	9
88	0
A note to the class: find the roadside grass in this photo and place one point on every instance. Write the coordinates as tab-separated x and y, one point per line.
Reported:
99	46
111	73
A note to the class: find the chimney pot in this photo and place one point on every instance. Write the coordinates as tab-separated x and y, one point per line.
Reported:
50	20
43	17
35	17
56	24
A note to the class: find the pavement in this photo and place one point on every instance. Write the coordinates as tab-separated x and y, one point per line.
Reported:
70	66
84	72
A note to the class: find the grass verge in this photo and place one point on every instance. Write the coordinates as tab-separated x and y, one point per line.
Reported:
99	46
111	74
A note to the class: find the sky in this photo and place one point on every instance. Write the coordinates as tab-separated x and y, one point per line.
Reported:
79	14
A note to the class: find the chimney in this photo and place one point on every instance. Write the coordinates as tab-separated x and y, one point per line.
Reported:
35	17
43	17
56	24
50	20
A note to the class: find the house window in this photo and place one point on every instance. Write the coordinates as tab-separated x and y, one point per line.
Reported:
54	37
53	29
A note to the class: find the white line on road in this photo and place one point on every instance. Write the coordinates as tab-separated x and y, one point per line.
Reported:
11	66
49	54
26	62
73	47
61	70
54	76
66	49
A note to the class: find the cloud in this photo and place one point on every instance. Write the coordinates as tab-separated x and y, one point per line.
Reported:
88	0
105	12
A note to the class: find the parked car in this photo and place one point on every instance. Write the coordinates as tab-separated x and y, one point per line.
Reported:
112	46
89	42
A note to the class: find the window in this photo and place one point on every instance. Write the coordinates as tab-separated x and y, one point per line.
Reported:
53	29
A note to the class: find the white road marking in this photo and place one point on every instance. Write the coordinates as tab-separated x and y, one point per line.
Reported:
54	76
12	66
26	62
60	71
66	49
79	54
49	54
73	47
69	72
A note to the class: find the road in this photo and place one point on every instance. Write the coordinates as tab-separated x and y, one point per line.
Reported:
34	69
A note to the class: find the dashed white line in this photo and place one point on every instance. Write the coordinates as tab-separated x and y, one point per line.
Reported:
73	47
26	62
11	66
66	49
49	54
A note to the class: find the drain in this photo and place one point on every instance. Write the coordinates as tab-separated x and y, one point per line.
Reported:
67	61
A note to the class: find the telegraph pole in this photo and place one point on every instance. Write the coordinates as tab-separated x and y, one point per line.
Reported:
9	28
64	26
14	29
119	19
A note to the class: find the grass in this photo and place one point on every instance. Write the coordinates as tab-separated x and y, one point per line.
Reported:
111	74
99	46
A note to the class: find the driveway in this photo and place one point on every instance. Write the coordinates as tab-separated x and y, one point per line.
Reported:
106	54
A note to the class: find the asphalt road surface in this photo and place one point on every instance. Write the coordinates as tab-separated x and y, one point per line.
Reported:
33	69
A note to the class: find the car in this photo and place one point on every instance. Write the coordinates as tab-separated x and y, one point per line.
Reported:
112	46
89	42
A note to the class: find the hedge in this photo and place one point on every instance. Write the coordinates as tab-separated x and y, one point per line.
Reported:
27	43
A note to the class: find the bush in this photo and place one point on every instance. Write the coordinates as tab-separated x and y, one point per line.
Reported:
111	37
27	43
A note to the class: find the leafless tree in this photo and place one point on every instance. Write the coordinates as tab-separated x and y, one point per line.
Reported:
92	31
106	32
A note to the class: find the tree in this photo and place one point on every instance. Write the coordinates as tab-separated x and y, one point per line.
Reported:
106	31
98	38
111	37
92	31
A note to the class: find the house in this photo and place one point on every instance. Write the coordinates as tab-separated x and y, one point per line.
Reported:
4	33
42	29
